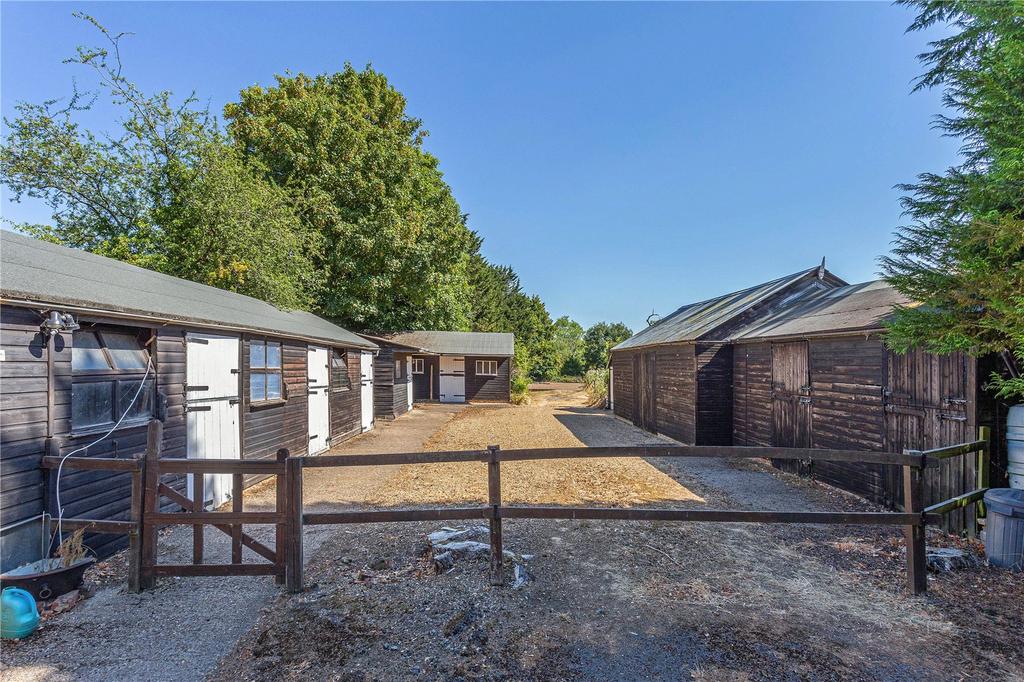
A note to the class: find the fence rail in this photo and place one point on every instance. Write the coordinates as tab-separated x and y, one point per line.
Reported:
286	556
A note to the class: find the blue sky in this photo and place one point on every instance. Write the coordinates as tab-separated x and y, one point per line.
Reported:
622	157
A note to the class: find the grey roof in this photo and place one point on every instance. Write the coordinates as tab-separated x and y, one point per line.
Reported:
38	272
696	320
392	343
458	343
857	307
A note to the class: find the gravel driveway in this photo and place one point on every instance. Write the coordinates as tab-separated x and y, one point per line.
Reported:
181	629
622	600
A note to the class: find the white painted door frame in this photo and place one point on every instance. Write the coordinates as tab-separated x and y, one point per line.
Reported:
366	389
318	380
452	379
212	398
408	381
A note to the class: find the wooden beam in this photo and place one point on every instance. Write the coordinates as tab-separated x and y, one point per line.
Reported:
294	522
956	502
497	572
192	518
218	466
397	515
914	534
93	463
711	515
97	525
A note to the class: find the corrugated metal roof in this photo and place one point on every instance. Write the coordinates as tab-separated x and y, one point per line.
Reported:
695	320
48	274
458	343
857	307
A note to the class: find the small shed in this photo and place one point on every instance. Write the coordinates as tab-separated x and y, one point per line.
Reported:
675	377
392	377
457	367
93	348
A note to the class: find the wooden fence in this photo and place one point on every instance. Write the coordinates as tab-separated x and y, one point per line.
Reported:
286	557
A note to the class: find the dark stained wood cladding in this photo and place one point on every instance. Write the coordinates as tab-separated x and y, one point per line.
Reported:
488	388
279	424
23	412
713	364
346	406
389	387
421	383
622	384
752	390
23	425
675	390
863	397
655	389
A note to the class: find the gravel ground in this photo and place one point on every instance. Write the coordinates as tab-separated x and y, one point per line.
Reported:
181	629
624	601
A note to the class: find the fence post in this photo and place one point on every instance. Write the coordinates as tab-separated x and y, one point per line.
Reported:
151	499
198	505
138	531
236	528
293	558
494	499
280	532
913	503
983	468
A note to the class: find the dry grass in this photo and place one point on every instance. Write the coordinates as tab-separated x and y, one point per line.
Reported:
616	482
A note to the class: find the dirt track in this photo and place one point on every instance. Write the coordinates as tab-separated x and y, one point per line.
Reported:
622	600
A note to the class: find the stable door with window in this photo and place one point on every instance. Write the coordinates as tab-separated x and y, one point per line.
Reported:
212	408
318	378
452	379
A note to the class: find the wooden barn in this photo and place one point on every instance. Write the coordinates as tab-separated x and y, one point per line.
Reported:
805	366
91	345
675	377
458	367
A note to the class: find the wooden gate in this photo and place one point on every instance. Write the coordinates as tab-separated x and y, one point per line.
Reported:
791	395
645	372
926	407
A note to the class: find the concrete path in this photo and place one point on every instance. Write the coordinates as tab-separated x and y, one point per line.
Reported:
181	629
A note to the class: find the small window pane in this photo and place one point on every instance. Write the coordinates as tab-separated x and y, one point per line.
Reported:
86	354
274	355
273	386
257	386
92	403
143	407
257	354
126	351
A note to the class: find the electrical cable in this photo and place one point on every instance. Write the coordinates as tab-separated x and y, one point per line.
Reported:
148	368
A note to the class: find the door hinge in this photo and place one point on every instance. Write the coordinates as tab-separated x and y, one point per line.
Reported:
198	408
235	371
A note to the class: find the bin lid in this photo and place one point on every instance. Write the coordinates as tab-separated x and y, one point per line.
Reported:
1005	501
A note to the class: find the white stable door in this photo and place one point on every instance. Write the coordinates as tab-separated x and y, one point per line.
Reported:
318	376
408	381
453	379
366	388
211	406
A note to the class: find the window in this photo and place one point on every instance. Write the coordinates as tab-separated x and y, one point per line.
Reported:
340	380
398	369
487	368
107	369
417	365
265	381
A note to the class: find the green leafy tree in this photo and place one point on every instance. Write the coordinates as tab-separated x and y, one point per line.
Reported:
962	254
567	337
599	340
395	246
162	190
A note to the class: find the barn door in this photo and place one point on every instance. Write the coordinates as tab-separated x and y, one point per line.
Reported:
644	399
211	407
927	406
366	389
791	395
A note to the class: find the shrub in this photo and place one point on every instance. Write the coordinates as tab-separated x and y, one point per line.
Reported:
596	381
521	389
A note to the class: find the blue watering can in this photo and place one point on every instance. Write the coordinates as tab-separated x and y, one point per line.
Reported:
19	616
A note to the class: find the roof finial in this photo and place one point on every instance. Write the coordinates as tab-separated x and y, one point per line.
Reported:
821	269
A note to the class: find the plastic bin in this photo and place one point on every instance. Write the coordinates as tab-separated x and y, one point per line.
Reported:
1004	528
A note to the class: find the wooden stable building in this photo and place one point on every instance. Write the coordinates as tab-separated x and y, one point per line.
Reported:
92	345
805	366
458	367
392	377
